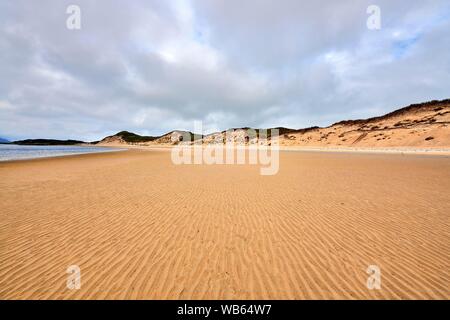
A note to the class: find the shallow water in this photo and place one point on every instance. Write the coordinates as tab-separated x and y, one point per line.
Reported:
18	152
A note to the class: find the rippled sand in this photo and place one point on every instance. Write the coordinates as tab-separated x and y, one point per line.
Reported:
140	227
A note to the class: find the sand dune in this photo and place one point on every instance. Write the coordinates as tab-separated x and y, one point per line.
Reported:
140	227
425	125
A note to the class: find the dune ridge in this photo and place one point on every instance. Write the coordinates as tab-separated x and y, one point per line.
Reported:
424	125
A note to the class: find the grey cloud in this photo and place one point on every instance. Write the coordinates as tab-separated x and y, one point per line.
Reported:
153	66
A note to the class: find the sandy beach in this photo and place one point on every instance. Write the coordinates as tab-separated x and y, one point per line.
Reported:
140	227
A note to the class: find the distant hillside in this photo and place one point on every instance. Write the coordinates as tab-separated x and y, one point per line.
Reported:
2	140
418	125
177	136
124	137
47	142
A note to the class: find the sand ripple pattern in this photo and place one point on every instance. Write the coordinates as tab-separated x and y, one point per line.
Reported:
140	227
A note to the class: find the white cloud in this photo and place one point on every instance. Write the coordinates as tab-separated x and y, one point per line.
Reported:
154	66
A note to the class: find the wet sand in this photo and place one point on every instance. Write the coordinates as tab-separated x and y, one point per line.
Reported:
140	227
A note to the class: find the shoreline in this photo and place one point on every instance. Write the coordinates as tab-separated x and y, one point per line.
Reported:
106	150
437	151
410	151
368	150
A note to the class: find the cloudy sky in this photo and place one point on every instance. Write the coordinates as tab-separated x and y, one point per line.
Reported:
153	66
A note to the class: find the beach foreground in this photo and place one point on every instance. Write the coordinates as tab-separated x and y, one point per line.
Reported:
140	227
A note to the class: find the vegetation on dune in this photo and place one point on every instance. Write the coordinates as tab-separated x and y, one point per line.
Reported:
196	136
133	138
